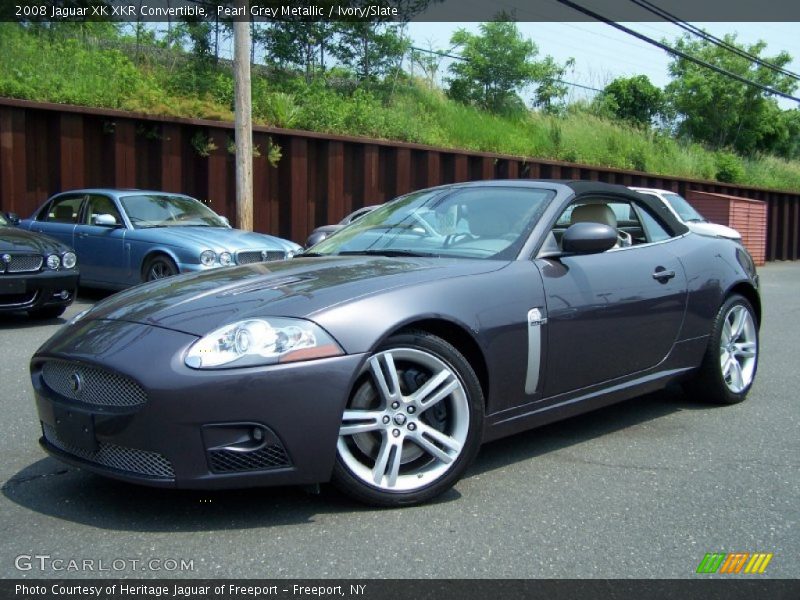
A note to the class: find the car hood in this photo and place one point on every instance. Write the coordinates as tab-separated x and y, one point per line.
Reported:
198	303
213	238
12	238
714	229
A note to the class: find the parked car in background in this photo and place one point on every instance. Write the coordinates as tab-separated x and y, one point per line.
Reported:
125	237
322	232
38	274
384	356
685	212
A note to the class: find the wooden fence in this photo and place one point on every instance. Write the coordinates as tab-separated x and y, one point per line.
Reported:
46	148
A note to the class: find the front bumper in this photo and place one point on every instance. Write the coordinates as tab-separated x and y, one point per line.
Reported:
30	291
171	426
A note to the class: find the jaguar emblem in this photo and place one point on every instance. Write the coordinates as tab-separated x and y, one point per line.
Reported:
76	383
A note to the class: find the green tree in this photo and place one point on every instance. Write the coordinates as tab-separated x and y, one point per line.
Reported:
633	99
498	63
369	49
719	110
297	44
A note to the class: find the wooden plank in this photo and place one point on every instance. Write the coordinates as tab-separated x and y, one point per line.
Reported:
487	172
125	154
402	182
298	189
171	158
71	165
335	182
370	174
460	168
217	177
512	170
13	172
432	165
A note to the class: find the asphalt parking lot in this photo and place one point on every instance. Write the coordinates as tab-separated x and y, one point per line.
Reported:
642	489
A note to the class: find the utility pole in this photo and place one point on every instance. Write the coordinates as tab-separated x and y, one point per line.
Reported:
243	120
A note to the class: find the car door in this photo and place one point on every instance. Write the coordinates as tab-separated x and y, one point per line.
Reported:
612	313
100	248
59	217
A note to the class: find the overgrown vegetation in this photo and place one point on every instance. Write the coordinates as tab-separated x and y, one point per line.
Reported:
100	66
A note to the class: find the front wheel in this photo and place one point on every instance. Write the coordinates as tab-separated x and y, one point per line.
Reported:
159	267
412	425
729	366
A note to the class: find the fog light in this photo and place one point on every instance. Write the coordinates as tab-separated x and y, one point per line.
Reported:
63	294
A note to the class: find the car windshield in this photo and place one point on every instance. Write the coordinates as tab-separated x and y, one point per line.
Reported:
685	210
3	221
489	222
157	210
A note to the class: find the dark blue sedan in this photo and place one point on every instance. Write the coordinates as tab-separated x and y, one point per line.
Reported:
124	237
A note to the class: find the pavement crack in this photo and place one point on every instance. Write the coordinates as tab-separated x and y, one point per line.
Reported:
15	481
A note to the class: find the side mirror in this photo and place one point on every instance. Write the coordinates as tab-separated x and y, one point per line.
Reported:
104	220
13	218
588	238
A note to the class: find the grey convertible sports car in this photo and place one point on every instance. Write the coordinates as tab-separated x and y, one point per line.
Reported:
381	360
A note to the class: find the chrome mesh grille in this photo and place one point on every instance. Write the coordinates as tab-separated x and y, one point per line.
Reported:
268	457
24	263
129	460
92	385
254	256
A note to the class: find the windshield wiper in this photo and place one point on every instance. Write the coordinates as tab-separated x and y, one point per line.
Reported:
309	254
389	252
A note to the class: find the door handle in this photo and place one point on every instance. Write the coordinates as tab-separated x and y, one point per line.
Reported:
662	275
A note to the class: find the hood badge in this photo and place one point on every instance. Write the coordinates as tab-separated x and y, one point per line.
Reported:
76	383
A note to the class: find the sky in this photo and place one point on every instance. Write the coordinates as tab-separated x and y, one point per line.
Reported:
603	53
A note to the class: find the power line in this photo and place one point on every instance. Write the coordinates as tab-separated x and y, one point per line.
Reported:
667	16
677	52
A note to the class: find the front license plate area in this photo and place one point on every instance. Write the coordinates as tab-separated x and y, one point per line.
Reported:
75	428
12	286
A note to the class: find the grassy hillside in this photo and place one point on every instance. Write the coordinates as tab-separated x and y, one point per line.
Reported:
47	68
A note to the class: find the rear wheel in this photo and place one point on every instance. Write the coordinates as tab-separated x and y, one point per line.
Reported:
159	267
412	425
731	360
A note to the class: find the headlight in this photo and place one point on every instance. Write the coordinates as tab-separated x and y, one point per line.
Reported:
207	258
69	260
261	342
225	259
53	261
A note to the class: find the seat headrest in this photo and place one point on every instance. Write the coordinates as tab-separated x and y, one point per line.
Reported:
594	213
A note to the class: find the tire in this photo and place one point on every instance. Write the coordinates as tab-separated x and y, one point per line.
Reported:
159	267
731	359
48	312
399	447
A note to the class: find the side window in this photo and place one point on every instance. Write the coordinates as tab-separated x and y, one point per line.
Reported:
634	223
101	205
654	230
63	210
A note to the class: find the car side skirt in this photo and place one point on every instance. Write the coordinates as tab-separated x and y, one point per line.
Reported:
681	362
